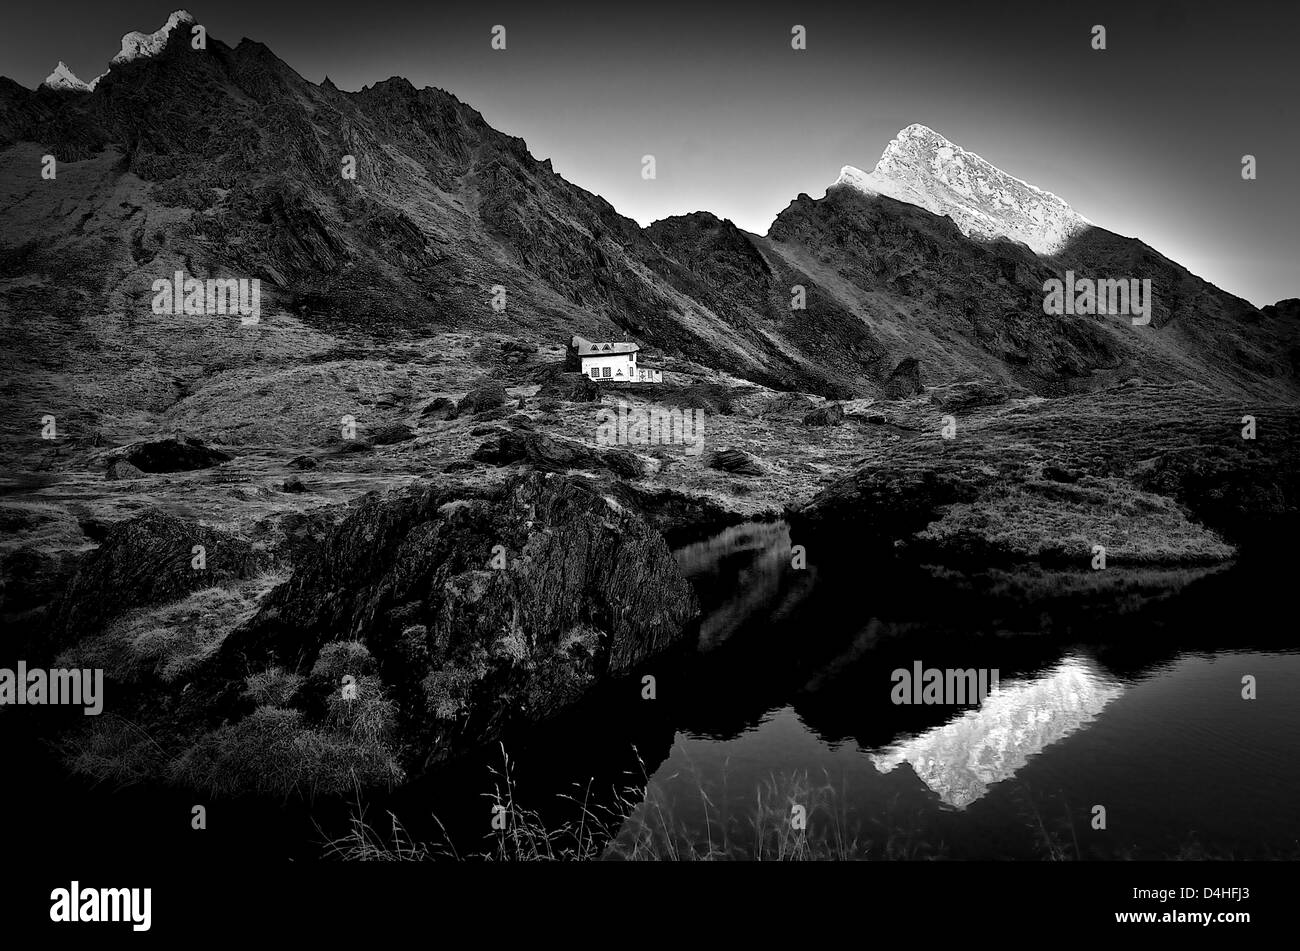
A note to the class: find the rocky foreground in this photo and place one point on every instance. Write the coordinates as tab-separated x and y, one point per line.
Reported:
474	558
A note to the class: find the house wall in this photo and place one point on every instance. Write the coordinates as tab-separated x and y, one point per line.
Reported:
622	366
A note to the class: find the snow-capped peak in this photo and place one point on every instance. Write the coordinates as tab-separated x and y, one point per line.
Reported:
136	44
65	78
923	168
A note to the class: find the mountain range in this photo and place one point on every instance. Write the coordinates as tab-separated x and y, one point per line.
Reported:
224	162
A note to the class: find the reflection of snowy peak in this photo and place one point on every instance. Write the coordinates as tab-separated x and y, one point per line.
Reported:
923	168
137	44
963	758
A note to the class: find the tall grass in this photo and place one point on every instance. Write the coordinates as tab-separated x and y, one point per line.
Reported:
636	823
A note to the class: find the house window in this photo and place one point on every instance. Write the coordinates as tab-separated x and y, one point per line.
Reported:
595	372
605	371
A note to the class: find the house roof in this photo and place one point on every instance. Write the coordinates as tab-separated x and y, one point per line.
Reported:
588	348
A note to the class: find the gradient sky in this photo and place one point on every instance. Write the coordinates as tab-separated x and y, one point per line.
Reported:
1145	138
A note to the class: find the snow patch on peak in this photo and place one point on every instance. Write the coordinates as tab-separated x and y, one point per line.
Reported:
136	44
65	78
922	168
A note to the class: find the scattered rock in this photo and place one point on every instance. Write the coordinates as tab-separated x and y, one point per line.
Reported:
735	460
293	484
555	454
624	463
832	414
440	408
502	449
391	433
302	462
960	397
787	403
119	469
482	399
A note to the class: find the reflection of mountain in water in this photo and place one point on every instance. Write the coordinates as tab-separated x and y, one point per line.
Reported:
962	758
742	573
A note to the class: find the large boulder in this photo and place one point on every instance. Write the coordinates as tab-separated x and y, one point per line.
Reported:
504	447
483	608
439	408
736	461
963	397
832	414
905	381
555	453
165	455
390	433
483	398
570	387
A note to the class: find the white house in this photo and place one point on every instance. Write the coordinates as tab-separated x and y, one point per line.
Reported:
610	362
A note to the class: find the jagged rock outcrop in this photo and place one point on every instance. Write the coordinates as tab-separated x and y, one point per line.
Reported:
483	609
148	559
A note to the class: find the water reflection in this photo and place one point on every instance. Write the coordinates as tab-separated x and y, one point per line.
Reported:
740	573
960	760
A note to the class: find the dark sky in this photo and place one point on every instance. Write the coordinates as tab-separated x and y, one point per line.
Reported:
1145	138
